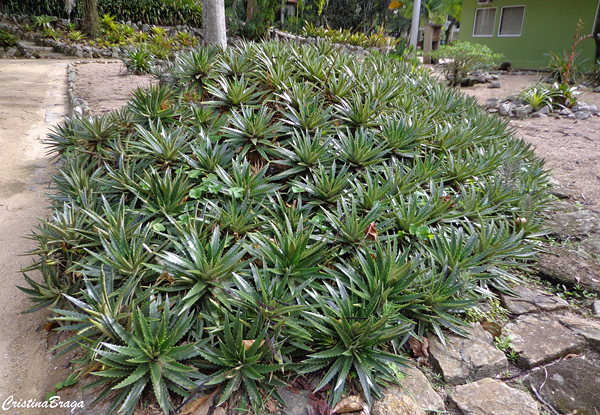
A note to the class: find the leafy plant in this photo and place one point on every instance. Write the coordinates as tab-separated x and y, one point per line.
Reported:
538	97
7	39
151	353
139	61
243	359
348	337
567	68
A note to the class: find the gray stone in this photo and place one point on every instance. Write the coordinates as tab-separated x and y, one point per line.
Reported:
591	245
565	112
582	115
11	52
529	300
464	360
492	397
492	103
570	386
560	192
571	116
596	308
521	112
416	386
571	267
296	403
146	28
544	110
495	84
588	329
505	108
392	404
540	339
574	224
538	115
467	82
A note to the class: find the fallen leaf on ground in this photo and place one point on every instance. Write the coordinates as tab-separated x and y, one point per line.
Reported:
419	346
350	404
371	232
271	406
199	406
494	329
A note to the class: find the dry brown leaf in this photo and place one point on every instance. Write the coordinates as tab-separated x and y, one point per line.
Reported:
271	406
199	406
494	329
220	411
352	403
248	343
419	346
371	231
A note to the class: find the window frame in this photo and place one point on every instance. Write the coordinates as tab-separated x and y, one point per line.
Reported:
502	16
475	21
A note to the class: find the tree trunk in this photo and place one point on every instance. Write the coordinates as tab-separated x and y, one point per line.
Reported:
251	9
91	21
213	20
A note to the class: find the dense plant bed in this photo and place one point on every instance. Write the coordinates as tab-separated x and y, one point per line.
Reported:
276	209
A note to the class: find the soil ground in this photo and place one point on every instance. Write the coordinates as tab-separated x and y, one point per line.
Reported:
32	98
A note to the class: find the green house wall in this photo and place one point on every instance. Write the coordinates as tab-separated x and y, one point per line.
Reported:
548	25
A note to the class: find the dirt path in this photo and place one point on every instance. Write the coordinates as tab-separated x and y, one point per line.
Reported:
571	148
32	98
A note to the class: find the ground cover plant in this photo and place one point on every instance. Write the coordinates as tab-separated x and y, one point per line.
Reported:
274	210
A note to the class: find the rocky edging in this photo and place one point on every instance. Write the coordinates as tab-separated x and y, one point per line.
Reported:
12	24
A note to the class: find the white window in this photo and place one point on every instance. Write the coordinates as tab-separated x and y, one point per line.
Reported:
511	21
485	20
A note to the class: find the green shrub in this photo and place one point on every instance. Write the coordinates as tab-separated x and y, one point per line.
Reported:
276	209
7	39
465	57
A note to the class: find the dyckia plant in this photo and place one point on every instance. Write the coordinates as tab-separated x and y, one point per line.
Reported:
276	209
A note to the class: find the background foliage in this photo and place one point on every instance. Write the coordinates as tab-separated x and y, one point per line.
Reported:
158	12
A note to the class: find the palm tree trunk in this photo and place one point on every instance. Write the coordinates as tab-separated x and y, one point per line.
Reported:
213	21
91	21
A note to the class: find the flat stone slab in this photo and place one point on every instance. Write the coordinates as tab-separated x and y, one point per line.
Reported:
571	386
574	224
529	301
570	267
467	359
541	339
492	397
393	404
416	386
588	329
